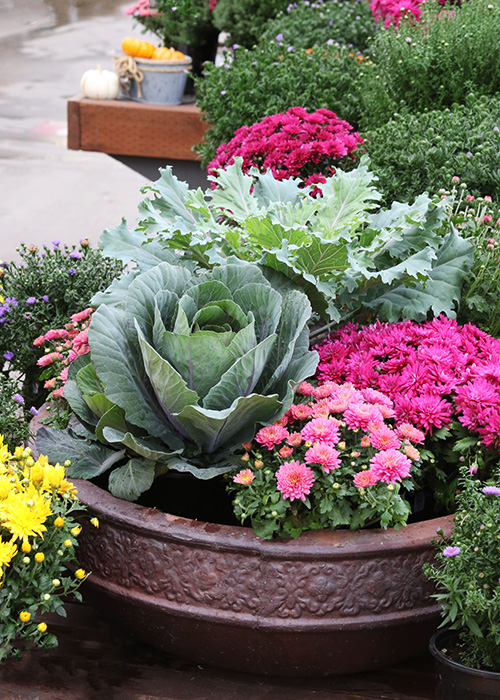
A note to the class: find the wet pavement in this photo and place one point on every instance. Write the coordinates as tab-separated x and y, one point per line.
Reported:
47	191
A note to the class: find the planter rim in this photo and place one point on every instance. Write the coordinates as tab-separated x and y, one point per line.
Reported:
444	635
333	544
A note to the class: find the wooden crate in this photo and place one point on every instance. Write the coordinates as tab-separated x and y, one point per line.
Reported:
126	128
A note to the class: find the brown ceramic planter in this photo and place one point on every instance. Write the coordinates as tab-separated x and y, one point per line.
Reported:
326	603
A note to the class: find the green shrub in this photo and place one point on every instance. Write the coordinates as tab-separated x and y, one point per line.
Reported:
267	80
14	426
41	292
244	20
305	24
422	152
434	63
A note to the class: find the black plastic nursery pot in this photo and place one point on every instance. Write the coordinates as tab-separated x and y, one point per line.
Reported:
456	681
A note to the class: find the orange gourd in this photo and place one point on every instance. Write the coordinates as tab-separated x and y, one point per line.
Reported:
178	55
137	47
162	54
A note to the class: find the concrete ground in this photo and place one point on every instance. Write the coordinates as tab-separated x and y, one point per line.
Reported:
47	191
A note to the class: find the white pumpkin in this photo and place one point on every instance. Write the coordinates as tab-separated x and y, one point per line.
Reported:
98	84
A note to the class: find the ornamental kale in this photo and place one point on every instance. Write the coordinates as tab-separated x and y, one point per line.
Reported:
294	143
402	262
180	372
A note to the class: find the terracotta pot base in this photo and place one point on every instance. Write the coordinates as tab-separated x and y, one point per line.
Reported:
326	603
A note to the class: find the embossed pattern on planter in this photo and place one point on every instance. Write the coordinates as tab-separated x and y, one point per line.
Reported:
260	587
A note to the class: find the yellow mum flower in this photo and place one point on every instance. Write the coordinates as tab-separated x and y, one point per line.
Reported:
25	515
6	486
75	531
95	522
24	616
80	574
67	487
52	477
8	551
37	473
58	522
39	557
42	627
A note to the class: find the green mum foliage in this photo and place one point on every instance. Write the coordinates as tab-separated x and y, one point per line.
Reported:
182	370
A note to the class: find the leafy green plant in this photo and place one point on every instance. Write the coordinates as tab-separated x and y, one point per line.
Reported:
41	292
414	153
477	218
180	372
269	79
434	63
346	253
187	24
244	20
13	424
466	573
305	24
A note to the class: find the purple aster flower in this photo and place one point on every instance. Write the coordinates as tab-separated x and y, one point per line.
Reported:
279	37
56	243
236	46
468	154
30	301
18	398
8	355
451	551
491	491
222	92
290	48
33	411
75	255
71	271
495	128
45	298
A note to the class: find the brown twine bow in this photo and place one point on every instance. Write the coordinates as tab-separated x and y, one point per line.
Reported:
128	70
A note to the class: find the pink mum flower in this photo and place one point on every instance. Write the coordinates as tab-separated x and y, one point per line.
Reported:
325	455
364	479
390	466
244	477
295	480
300	411
360	415
321	430
48	359
383	438
272	435
407	431
295	439
82	315
412	452
56	334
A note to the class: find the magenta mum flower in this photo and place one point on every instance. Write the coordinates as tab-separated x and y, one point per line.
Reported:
295	480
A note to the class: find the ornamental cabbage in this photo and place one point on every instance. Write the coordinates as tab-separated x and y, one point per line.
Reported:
180	372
